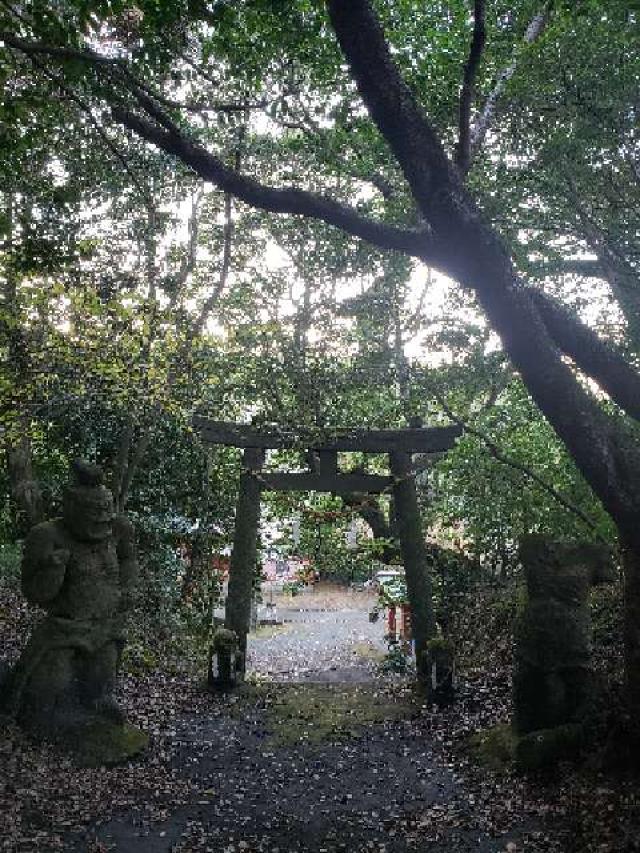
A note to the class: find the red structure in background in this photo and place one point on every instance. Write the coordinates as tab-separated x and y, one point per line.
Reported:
391	621
405	629
221	564
399	623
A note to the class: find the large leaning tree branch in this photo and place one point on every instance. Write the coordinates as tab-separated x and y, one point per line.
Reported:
590	354
462	154
480	260
279	200
461	243
390	102
168	136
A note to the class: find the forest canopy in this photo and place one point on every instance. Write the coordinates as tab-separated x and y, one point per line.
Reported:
326	215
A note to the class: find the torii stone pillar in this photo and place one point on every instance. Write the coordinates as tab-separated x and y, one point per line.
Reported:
243	557
414	557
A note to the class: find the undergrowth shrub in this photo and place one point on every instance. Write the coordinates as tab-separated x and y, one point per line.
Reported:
10	557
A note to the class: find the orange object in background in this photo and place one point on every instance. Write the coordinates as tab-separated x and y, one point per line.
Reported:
405	623
391	622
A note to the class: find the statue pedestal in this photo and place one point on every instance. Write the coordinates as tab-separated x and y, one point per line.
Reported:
103	743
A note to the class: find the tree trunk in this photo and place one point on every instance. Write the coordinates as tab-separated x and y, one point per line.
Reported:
372	513
631	568
25	489
459	241
128	461
414	555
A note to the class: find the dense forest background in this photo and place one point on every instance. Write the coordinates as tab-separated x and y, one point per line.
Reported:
319	215
139	289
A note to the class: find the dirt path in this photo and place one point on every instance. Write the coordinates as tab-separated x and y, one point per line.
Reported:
325	636
382	788
310	767
340	761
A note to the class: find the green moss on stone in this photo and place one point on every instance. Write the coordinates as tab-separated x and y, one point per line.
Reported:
495	747
440	644
224	640
105	744
319	713
546	747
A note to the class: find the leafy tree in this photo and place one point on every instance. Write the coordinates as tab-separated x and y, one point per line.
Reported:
418	84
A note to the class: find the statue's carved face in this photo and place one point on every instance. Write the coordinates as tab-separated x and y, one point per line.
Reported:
88	512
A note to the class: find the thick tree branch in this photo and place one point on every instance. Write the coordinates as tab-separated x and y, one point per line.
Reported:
201	106
172	140
85	108
597	359
570	266
134	463
479	259
31	48
463	149
122	462
217	291
369	509
390	102
189	262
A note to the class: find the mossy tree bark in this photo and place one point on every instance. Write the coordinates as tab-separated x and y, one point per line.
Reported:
25	489
243	557
415	558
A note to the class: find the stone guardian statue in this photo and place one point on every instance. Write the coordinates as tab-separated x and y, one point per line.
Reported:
80	569
552	683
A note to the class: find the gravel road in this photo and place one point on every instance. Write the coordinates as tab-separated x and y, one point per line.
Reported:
320	645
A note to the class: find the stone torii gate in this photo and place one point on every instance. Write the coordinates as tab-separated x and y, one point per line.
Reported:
399	444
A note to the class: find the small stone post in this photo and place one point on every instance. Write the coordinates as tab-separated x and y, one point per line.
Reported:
224	660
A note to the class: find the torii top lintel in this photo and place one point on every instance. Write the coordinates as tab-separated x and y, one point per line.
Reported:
411	440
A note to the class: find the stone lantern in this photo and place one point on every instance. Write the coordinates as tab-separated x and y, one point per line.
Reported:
225	665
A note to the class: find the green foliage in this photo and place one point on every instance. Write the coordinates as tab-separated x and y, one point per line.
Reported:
396	660
393	593
494	503
10	557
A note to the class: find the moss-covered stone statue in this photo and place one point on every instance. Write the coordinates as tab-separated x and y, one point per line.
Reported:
225	661
552	677
80	568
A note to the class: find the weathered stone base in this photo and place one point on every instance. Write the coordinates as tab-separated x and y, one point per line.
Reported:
441	670
495	747
103	743
546	747
501	747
